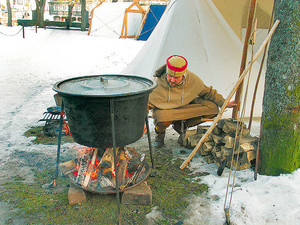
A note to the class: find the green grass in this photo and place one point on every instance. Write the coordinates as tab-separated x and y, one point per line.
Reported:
41	138
170	187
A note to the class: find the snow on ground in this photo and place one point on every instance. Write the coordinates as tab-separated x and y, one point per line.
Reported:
30	66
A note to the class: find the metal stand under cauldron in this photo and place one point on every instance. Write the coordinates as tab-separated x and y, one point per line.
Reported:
94	103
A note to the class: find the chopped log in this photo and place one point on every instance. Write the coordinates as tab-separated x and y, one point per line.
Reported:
217	131
108	158
245	132
84	162
229	127
217	139
225	152
90	169
122	166
252	140
132	180
208	146
187	134
229	141
202	129
68	167
131	153
217	154
247	147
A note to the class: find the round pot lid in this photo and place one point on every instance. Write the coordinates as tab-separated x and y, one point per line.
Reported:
107	85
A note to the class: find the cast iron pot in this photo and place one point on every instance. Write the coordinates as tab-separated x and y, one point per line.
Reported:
91	101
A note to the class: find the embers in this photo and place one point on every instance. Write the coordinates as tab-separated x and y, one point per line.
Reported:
94	173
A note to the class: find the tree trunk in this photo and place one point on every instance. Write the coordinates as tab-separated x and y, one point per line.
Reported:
40	8
83	15
9	14
280	136
70	12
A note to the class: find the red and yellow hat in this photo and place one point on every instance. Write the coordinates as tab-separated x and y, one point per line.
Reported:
176	65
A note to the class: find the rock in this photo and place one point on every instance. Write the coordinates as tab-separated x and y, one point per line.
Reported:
138	195
76	195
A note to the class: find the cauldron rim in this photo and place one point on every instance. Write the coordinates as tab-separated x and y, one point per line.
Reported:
152	84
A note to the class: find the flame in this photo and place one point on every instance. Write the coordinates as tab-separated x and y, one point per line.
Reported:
94	174
81	151
84	151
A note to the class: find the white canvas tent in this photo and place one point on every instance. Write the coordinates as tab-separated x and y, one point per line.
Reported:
197	30
108	19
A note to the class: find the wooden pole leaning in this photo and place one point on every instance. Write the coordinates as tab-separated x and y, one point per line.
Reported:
241	78
244	57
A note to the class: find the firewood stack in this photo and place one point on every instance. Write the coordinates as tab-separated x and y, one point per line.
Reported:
219	144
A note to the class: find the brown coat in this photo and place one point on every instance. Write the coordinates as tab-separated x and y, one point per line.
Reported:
192	98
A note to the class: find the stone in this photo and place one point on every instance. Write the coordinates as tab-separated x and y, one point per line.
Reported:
76	195
138	195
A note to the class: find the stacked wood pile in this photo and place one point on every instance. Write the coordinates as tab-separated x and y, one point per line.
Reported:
220	143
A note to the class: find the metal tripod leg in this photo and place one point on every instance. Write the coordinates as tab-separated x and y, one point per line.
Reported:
149	141
59	139
112	114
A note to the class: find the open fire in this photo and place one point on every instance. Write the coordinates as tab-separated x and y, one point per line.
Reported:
95	171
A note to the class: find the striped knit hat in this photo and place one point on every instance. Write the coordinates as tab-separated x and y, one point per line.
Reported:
176	65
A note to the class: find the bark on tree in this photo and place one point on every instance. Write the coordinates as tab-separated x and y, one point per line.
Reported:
83	15
70	12
9	14
40	8
280	136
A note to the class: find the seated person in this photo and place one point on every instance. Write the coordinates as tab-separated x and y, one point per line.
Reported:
181	99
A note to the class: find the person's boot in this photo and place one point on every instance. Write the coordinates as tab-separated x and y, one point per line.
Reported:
159	140
180	130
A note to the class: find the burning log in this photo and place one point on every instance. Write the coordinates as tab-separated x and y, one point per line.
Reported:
99	175
84	162
91	168
132	180
122	166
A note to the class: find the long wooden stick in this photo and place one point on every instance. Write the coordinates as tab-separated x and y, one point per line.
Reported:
259	74
241	78
244	57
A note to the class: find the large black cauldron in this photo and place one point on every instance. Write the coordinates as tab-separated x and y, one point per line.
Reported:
92	101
